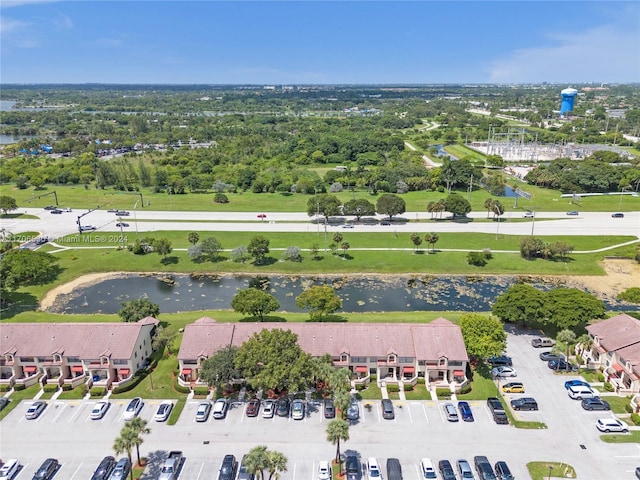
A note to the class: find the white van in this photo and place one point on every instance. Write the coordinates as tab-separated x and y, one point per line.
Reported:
9	469
428	471
578	392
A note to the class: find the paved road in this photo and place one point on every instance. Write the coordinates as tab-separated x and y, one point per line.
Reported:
546	223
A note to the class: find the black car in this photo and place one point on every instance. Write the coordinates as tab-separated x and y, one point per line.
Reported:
56	212
352	468
122	213
329	409
243	472
51	207
562	365
122	224
637	472
501	361
228	468
41	240
394	469
104	469
595	403
387	409
282	407
446	470
502	471
548	356
4	401
617	215
47	469
483	467
524	403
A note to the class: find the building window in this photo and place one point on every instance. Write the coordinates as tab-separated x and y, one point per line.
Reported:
344	357
392	358
442	362
373	359
406	360
358	359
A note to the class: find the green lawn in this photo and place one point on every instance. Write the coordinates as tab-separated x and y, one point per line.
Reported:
372	392
19	395
541	470
419	392
617	403
632	437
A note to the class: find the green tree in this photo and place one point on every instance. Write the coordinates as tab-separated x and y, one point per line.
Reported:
484	336
321	300
137	309
124	443
276	464
337	238
569	307
520	303
323	204
258	248
390	204
7	204
344	246
139	427
337	431
219	369
26	267
164	338
257	461
567	337
193	237
162	246
273	359
531	247
211	248
431	239
252	301
416	239
359	208
457	204
488	205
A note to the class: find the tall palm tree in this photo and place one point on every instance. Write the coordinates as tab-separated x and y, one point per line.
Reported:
124	444
276	464
337	430
139	427
256	461
568	337
488	204
342	400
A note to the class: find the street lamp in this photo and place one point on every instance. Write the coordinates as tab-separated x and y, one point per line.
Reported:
135	217
550	469
621	192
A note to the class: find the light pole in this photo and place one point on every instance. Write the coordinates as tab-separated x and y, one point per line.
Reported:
497	211
135	217
550	469
317	209
621	192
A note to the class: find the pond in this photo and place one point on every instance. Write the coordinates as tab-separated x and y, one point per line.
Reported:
176	293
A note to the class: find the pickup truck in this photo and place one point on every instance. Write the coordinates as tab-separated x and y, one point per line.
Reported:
171	466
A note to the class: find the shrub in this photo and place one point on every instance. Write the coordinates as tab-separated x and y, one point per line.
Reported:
631	295
628	408
464	390
19	386
201	391
66	387
50	387
601	377
181	389
220	198
421	381
293	254
360	386
408	387
129	386
608	387
4	387
443	393
476	258
635	418
98	391
393	388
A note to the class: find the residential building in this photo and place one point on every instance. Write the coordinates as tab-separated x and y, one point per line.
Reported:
99	354
616	349
394	352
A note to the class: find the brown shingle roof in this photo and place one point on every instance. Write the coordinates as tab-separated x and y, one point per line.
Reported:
425	341
616	332
84	340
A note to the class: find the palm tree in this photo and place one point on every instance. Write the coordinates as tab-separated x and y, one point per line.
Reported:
586	342
345	246
337	430
488	204
276	464
139	427
257	461
567	337
193	238
124	443
417	240
431	207
431	239
342	400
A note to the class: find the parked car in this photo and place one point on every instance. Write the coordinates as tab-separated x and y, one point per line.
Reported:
47	469
268	408
504	372
9	469
133	408
394	469
387	409
282	407
595	403
228	468
579	392
104	469
483	467
611	425
637	472
524	403
35	409
4	401
122	224
513	387
220	407
446	470
163	411
253	407
352	468
501	361
353	412
245	474
497	411
548	356
528	215
502	471
50	207
385	223
427	469
203	411
540	342
450	412
617	215
562	365
56	211
99	410
464	469
573	212
324	471
347	225
297	409
576	383
329	409
373	469
41	240
122	213
465	411
87	228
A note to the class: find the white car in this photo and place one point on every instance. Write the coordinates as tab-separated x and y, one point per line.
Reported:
133	408
297	410
268	408
164	410
324	471
503	372
373	469
427	470
99	410
220	409
611	425
202	414
9	469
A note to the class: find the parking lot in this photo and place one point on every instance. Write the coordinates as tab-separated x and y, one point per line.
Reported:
419	429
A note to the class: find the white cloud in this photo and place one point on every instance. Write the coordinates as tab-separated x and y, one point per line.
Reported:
63	21
10	26
607	53
20	3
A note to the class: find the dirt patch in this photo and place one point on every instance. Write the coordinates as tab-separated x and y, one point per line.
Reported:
84	281
620	275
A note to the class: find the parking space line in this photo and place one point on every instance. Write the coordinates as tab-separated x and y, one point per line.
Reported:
77	412
424	410
64	405
409	410
441	414
313	471
294	471
201	468
76	472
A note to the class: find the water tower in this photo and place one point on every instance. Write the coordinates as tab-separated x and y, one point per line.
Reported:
568	97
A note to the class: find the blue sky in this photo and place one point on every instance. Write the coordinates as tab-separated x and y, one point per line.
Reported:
302	42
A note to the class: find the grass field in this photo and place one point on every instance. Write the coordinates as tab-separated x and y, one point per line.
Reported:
542	470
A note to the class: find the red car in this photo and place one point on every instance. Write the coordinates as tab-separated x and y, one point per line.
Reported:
253	407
